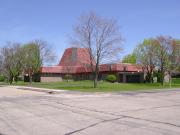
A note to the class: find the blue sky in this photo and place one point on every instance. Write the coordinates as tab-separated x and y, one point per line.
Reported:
52	20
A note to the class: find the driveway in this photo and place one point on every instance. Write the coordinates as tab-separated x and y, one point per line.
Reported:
25	112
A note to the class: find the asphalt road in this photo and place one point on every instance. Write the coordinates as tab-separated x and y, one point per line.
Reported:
24	112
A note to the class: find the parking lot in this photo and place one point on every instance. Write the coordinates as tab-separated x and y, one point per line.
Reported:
26	112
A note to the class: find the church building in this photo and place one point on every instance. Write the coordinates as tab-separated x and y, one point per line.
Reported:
76	62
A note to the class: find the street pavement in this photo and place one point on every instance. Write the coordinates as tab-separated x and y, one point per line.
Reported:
27	112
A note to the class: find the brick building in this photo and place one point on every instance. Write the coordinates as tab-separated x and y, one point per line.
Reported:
76	62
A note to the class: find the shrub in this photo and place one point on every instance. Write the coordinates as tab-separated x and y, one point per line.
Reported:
111	78
2	78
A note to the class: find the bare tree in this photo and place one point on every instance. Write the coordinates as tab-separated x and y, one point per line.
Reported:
175	55
164	51
1	62
168	56
102	38
11	61
47	54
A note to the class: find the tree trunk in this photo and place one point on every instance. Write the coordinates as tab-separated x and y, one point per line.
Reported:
170	79
95	79
162	79
96	74
152	76
67	79
11	79
148	77
16	78
162	73
30	78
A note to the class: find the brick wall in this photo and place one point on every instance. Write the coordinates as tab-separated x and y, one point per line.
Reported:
51	79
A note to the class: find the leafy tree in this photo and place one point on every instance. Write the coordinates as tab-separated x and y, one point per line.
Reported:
31	59
36	54
146	56
16	59
161	54
130	58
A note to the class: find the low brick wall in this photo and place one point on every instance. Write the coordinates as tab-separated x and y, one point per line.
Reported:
51	79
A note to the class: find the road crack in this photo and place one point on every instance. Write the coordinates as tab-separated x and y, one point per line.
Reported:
92	125
126	116
153	121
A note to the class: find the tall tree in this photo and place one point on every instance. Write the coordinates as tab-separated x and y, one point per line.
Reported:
31	59
36	54
17	61
11	61
175	55
161	53
102	38
146	56
47	54
1	62
168	56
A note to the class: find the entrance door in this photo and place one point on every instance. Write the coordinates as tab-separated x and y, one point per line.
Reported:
133	78
120	78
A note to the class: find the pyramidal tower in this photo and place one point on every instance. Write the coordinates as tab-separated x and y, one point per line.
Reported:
75	57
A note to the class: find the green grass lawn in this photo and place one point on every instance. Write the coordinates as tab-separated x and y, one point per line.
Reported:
176	80
87	86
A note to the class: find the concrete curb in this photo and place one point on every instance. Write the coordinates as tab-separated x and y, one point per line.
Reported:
147	91
54	91
49	91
